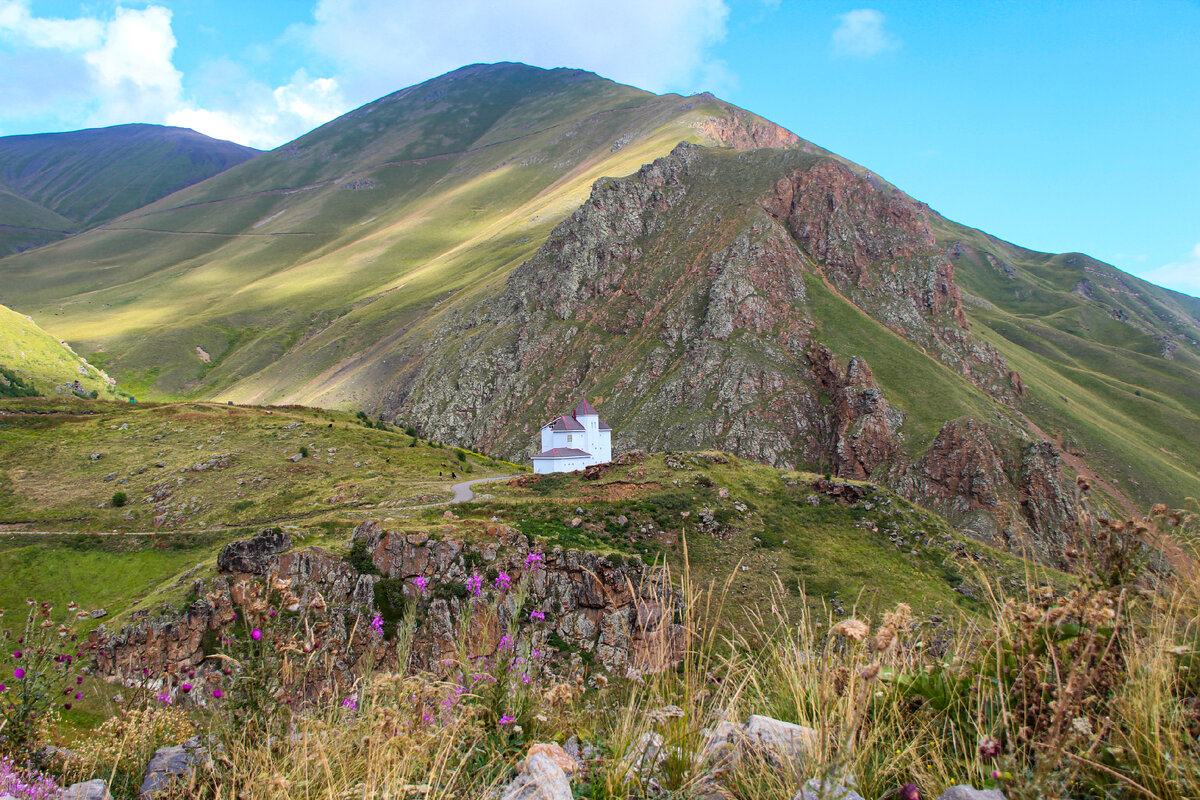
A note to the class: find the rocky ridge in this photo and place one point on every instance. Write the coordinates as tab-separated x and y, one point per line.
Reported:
684	295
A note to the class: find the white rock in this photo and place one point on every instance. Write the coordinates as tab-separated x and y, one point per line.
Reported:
542	779
95	789
816	789
965	792
786	738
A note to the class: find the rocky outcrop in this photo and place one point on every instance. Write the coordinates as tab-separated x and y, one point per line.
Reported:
689	291
1048	503
618	613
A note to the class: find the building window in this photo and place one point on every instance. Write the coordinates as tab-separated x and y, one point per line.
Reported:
568	438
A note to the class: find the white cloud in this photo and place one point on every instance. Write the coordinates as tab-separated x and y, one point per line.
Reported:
18	24
860	33
264	117
132	68
383	45
1182	275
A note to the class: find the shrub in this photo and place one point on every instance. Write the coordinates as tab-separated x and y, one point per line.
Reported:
119	499
303	451
361	560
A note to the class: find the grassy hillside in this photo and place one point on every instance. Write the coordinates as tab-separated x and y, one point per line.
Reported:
53	184
32	362
1111	362
198	475
282	268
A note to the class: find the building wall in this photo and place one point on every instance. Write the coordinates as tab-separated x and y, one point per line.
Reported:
542	466
603	447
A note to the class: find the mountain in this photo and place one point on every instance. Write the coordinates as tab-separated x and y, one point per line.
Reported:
54	184
454	256
32	362
323	248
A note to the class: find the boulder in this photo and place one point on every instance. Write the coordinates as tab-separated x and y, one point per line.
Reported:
818	789
964	792
95	789
556	754
253	555
540	779
170	764
786	738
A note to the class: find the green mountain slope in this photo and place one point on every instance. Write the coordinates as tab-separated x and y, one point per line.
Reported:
1111	362
53	184
32	362
322	248
452	255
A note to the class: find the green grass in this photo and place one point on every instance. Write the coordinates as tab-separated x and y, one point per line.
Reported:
40	363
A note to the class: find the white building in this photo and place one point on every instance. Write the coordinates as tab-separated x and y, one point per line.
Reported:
574	441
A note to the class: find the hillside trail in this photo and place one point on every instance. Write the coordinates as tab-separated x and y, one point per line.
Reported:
462	493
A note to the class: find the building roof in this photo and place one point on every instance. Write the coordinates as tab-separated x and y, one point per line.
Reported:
604	426
584	409
563	452
565	423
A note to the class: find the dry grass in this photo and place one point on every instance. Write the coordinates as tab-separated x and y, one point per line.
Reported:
1090	693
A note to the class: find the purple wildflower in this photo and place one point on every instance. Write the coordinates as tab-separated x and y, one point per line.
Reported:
18	673
187	687
256	634
475	584
420	583
350	703
503	581
377	626
531	560
506	642
506	720
540	616
17	654
165	699
217	693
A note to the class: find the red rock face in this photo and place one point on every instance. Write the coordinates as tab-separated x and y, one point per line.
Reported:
857	234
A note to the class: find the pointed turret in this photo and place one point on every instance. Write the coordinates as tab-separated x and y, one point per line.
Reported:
584	409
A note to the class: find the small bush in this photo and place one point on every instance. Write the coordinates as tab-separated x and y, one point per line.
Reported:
118	499
361	560
303	451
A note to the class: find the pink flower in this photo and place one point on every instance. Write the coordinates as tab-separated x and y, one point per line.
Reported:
531	560
538	615
165	699
420	583
506	642
475	584
377	626
217	693
187	687
79	695
18	673
506	720
503	581
17	654
256	634
350	703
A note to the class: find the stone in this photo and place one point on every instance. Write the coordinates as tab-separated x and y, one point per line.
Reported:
576	522
95	456
97	613
253	555
170	764
95	789
294	458
786	738
557	754
540	779
818	789
110	476
965	792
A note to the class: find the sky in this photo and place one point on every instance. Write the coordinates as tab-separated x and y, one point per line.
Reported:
1059	126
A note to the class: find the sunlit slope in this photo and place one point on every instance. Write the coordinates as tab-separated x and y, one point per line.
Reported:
53	184
317	250
34	362
1111	362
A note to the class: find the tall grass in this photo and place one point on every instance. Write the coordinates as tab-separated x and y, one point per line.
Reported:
1091	692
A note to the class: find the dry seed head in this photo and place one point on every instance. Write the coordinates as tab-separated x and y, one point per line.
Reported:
884	639
899	618
869	672
853	629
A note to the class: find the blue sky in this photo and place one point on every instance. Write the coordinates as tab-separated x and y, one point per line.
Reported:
1056	125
